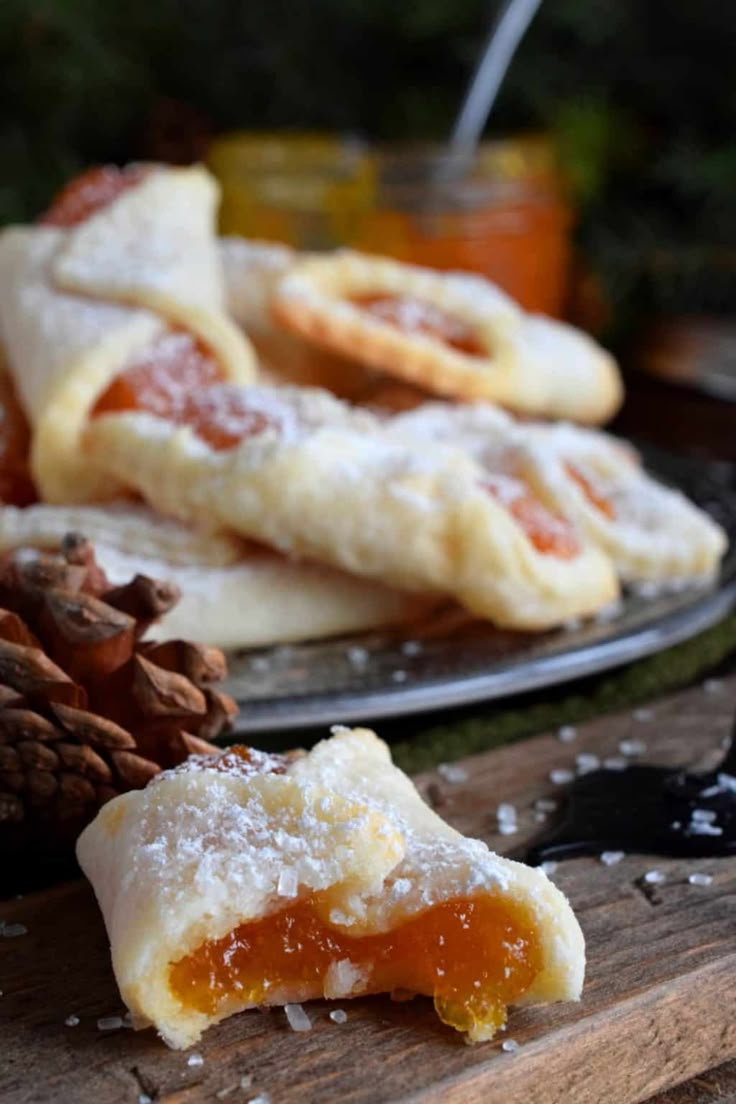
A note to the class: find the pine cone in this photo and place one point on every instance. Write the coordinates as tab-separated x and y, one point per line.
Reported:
87	709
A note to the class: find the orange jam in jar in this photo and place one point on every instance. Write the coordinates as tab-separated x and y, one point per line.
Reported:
503	215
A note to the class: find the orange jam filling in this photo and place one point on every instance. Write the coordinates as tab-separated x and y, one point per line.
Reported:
89	193
160	378
416	316
178	379
474	956
595	499
16	485
549	533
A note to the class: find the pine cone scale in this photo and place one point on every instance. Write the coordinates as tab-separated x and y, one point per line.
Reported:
88	710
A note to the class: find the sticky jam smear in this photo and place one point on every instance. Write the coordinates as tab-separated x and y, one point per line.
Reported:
417	316
91	192
550	534
16	485
594	497
474	956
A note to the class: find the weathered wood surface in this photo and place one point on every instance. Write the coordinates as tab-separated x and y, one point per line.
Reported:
659	1004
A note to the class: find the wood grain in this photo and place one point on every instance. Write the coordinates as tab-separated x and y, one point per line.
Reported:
659	1004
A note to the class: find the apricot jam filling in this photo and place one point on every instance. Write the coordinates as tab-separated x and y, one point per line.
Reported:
474	956
178	379
417	316
593	496
550	534
16	485
89	193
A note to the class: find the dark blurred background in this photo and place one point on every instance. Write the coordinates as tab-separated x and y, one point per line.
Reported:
640	95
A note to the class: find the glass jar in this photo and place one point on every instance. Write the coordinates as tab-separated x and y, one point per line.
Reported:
301	189
504	215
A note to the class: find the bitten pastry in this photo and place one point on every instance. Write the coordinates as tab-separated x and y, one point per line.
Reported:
122	272
451	333
651	532
252	879
305	473
234	594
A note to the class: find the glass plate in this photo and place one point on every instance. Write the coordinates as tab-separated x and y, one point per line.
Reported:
455	661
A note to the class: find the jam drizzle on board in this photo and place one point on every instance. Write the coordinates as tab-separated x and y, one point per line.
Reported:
646	809
89	193
417	316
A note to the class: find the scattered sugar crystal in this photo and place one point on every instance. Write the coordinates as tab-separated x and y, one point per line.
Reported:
195	1060
549	867
610	858
567	733
262	1098
110	1023
643	715
288	883
339	1016
412	648
297	1017
698	879
702	828
72	1021
357	657
12	931
615	763
260	664
510	1046
713	686
631	748
506	812
453	773
507	827
727	782
586	762
654	877
144	1098
539	816
704	816
546	804
399	676
561	775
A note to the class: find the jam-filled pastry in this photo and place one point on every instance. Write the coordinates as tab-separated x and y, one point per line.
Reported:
233	594
304	473
123	271
252	270
651	532
252	879
452	333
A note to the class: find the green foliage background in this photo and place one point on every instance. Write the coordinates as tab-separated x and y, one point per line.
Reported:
641	93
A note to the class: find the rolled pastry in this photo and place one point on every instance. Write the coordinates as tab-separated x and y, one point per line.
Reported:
651	532
306	474
233	594
452	334
251	879
79	302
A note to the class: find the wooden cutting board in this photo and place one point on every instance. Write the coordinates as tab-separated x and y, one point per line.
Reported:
659	1004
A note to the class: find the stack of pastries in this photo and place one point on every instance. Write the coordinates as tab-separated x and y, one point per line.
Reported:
314	444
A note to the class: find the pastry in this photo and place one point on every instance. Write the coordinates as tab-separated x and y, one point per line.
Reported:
651	532
234	594
253	879
123	271
252	270
306	474
451	333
